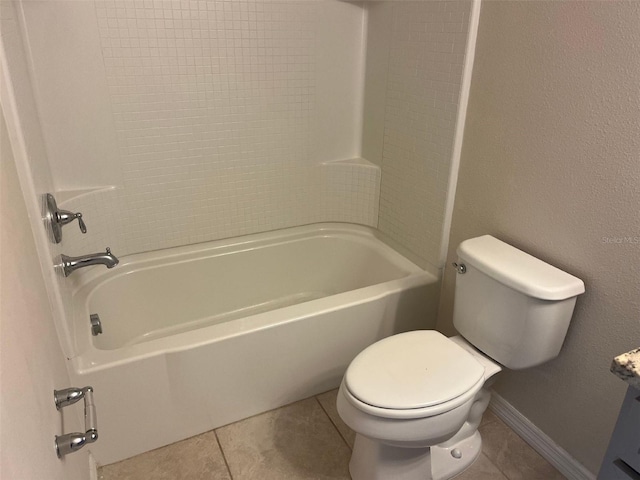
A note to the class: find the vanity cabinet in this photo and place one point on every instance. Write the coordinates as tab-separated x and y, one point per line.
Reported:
622	460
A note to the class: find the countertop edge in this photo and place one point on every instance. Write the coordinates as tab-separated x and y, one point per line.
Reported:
627	367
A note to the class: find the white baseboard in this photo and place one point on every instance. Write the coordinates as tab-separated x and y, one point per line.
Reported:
539	441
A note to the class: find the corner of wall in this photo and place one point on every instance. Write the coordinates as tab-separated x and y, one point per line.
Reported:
20	114
32	363
465	89
415	133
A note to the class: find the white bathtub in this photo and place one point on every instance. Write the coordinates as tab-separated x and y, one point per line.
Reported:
201	336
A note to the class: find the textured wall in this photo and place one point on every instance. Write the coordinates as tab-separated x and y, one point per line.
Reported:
550	163
201	120
415	60
31	362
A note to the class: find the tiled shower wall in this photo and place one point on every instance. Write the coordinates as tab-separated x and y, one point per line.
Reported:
340	191
225	117
415	60
187	121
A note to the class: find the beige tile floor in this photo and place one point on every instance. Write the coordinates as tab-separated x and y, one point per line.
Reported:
307	440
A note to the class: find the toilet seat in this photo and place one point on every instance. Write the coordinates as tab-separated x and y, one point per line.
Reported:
413	375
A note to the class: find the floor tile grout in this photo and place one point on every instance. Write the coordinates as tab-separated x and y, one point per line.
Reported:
332	422
510	471
494	463
262	413
224	457
494	420
488	422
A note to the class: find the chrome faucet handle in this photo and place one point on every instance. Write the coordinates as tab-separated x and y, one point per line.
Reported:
65	216
56	218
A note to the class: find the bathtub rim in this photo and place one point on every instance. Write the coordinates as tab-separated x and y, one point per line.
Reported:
89	359
242	243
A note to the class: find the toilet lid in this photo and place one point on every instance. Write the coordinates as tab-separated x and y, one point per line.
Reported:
412	370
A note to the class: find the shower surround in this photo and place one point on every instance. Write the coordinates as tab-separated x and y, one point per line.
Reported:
207	119
188	121
172	123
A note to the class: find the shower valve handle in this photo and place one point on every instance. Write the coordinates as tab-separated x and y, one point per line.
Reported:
64	217
56	218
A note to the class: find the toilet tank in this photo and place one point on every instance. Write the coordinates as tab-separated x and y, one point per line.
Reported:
510	305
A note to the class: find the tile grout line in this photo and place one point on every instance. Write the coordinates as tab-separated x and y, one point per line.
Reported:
495	465
488	422
504	474
224	457
262	413
332	422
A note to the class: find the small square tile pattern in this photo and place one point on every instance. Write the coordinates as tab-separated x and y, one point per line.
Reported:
214	105
308	440
425	66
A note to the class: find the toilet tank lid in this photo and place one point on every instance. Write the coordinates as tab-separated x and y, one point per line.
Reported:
519	270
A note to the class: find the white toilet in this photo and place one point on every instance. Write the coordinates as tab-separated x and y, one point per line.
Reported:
415	400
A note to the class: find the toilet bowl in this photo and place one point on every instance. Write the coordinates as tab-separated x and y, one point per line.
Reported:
415	400
412	397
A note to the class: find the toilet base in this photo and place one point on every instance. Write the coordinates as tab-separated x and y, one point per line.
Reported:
445	465
373	460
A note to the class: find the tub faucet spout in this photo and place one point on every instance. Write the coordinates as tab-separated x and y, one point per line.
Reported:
70	264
